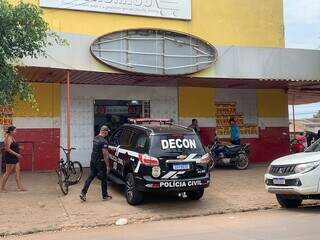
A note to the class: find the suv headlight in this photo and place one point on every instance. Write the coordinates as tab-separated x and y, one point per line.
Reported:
306	167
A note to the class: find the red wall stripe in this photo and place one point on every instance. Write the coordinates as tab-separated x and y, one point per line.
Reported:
43	145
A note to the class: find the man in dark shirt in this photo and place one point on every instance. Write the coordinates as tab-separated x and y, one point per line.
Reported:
194	126
98	166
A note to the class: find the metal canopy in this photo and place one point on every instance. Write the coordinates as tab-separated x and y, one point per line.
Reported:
304	91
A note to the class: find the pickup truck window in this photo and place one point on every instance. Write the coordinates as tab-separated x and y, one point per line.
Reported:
315	147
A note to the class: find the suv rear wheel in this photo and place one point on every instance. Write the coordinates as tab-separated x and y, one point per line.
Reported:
288	202
134	197
195	195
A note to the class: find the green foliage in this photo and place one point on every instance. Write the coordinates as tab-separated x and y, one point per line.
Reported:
23	33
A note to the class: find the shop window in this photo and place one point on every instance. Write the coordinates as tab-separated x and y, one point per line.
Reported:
146	109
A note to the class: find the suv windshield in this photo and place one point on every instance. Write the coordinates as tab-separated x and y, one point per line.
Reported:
315	147
170	144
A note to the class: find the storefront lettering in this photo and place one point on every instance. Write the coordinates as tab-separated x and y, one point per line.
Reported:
137	3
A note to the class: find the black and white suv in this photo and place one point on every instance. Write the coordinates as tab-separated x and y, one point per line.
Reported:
157	156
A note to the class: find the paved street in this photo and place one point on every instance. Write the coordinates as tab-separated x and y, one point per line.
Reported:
271	224
43	208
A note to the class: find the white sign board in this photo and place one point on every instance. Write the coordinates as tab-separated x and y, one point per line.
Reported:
152	51
177	9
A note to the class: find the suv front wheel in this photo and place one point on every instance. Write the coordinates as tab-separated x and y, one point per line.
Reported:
195	195
287	202
134	197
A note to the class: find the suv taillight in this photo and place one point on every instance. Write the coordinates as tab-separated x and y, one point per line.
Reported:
205	158
148	160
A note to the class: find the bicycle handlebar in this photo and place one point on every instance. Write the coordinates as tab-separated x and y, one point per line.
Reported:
66	150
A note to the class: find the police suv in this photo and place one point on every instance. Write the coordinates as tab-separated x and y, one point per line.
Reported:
153	155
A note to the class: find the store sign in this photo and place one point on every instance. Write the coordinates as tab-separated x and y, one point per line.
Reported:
6	116
177	9
154	51
112	110
227	110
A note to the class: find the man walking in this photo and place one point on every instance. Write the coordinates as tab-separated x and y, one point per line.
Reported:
234	132
98	166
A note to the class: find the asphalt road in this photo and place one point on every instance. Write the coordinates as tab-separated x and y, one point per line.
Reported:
303	223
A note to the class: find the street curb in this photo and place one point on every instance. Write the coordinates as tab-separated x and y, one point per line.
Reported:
134	220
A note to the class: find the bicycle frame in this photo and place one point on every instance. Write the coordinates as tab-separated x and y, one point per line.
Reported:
67	152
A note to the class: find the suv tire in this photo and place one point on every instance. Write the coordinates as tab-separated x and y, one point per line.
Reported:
195	195
288	202
134	197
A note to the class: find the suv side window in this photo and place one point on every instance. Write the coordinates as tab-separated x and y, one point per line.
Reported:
141	143
115	138
126	138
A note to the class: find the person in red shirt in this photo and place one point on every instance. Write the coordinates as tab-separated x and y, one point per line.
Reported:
300	143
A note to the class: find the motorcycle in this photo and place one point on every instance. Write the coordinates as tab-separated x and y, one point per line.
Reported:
229	155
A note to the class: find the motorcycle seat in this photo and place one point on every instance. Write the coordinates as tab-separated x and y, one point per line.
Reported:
234	148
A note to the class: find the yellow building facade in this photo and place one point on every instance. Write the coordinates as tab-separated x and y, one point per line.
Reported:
246	23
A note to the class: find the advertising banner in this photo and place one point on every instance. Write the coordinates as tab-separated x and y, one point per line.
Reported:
176	9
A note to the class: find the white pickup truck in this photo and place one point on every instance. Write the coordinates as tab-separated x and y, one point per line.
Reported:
296	177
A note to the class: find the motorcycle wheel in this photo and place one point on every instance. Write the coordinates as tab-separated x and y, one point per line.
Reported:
242	162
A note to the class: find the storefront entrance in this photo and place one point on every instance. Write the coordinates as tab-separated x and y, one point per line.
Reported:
114	113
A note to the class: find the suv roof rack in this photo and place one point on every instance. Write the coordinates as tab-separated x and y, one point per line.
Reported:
178	125
138	121
150	120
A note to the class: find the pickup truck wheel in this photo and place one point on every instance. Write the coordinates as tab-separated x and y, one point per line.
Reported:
134	197
195	195
288	202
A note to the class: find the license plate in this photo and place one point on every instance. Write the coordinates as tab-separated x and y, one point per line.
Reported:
279	181
181	166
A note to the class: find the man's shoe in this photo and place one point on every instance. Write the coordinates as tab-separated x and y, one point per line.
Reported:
106	198
83	197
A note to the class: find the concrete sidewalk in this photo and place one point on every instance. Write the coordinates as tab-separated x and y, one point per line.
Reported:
43	208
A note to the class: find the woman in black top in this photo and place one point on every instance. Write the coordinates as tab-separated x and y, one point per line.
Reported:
11	156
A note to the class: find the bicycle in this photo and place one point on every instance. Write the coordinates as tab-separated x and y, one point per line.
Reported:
69	172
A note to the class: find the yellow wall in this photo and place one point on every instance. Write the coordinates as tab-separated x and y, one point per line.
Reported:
199	102
196	102
226	22
272	103
48	99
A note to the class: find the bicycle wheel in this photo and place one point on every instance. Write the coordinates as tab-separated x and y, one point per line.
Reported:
62	181
75	172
